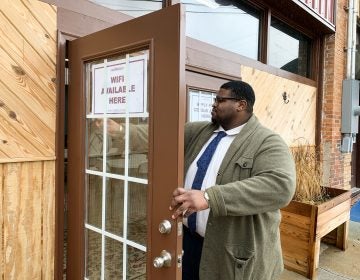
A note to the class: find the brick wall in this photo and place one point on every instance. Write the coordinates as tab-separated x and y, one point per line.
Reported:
336	166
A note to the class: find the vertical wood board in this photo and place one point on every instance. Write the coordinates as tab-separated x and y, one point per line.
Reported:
48	219
27	216
22	220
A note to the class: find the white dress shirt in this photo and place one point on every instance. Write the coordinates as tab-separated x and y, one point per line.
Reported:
211	173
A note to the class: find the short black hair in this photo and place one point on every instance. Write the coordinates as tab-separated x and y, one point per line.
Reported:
241	90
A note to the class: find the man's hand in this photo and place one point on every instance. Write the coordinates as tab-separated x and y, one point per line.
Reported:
185	202
114	128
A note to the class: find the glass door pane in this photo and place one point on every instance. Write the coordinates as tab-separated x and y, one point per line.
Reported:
117	119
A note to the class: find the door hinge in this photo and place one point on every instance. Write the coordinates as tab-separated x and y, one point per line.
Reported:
66	76
66	71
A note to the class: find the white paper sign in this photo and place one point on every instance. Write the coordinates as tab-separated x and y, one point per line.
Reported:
200	105
109	92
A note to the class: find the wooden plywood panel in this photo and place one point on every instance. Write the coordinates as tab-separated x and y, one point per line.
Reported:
31	28
22	220
27	80
27	204
46	17
48	220
295	120
27	133
23	53
1	221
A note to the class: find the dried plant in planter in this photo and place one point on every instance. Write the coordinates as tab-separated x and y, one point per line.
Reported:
308	175
314	212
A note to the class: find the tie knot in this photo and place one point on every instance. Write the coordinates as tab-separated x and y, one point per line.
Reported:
221	134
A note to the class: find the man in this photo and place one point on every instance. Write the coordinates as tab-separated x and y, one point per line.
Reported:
247	178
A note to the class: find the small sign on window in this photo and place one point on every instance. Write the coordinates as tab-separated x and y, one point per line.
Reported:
118	86
200	105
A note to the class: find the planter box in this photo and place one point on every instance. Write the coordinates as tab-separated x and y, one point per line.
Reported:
303	225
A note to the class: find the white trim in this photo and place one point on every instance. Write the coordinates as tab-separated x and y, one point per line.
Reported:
117	116
103	208
116	176
126	182
116	237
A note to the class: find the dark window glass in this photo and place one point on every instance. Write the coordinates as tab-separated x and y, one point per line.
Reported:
231	25
289	49
357	56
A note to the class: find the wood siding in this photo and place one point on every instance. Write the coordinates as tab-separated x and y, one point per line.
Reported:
27	80
27	138
295	120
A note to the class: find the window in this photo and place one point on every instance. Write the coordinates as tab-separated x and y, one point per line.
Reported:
200	105
130	7
228	24
289	49
357	56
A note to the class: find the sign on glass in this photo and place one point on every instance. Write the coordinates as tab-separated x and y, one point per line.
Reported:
120	85
200	105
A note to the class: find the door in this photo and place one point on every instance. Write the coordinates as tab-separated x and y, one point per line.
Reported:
125	149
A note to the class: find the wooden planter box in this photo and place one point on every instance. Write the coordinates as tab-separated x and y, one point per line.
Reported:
303	225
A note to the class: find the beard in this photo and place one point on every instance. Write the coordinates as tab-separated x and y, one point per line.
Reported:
214	121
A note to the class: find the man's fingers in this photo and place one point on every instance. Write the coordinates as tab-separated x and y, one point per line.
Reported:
187	212
180	210
177	198
178	191
184	202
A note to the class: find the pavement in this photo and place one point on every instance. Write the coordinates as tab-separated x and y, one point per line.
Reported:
335	264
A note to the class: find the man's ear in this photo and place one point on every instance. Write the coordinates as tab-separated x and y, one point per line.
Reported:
242	105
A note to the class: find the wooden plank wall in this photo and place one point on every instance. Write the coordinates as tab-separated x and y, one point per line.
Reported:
294	120
27	138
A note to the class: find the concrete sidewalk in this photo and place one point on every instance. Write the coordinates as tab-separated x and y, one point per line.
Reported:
335	264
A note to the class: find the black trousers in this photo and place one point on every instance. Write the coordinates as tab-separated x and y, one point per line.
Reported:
192	246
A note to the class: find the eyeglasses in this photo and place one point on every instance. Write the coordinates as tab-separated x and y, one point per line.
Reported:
220	99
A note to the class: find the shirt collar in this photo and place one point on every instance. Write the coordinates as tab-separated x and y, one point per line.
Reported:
233	131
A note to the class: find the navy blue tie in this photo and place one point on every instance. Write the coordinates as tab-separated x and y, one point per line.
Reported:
202	164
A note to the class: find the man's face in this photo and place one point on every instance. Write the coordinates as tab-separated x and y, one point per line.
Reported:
225	108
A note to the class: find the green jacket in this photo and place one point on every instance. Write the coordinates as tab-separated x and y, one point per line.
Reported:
255	180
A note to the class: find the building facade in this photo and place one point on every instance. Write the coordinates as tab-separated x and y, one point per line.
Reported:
293	52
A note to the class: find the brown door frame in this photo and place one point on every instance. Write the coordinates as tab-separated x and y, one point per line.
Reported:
166	129
74	19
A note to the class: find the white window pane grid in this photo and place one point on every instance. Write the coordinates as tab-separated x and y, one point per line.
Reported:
125	178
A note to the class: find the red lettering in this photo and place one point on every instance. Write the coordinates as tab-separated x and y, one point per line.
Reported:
117	100
117	79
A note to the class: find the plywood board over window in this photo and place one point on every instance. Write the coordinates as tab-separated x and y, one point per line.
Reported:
27	138
293	118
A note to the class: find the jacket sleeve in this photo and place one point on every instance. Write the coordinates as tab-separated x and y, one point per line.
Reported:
271	184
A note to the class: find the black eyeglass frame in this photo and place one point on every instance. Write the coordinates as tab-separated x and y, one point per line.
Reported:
220	99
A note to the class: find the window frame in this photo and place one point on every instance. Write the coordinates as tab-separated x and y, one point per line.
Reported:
267	12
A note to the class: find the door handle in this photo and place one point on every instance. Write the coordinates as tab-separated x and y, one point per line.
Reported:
164	260
165	227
